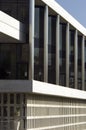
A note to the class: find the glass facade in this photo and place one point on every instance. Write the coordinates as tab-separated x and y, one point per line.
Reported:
62	75
85	65
39	44
71	58
52	49
14	61
14	58
79	62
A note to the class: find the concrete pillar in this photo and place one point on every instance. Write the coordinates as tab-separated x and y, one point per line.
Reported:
46	44
31	38
83	63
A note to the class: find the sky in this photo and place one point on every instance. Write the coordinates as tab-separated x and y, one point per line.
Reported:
77	8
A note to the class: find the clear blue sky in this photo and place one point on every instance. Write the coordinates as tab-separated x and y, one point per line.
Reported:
77	8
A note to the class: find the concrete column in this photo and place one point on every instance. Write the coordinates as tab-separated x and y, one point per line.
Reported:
83	63
67	55
31	39
46	44
57	48
76	57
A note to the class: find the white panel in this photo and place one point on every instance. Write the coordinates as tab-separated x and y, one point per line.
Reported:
11	27
56	90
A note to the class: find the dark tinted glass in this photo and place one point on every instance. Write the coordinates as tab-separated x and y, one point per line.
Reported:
52	49
5	98
71	59
85	65
39	44
14	61
62	54
11	98
79	62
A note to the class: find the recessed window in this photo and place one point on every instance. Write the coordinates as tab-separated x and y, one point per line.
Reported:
39	44
63	50
14	61
52	49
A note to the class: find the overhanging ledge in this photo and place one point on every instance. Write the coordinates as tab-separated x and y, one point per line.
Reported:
36	87
11	30
56	90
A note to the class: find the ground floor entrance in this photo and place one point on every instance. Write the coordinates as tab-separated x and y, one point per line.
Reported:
12	111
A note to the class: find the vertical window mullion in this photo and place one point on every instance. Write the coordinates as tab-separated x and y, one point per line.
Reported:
31	38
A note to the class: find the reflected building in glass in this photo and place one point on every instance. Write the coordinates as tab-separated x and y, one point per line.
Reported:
42	67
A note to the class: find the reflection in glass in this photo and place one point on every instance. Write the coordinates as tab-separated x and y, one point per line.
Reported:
18	111
14	61
62	45
11	111
5	111
71	59
11	98
39	44
18	98
79	62
5	98
52	49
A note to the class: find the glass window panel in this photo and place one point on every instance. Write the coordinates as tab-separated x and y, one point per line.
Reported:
14	60
11	98
79	62
62	75
39	44
52	49
71	59
5	110
11	111
18	98
18	111
85	65
5	98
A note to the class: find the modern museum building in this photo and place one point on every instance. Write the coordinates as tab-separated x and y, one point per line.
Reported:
42	67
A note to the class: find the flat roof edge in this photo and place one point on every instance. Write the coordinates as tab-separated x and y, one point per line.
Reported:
63	13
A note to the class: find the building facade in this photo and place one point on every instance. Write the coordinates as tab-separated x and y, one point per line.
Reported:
42	67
